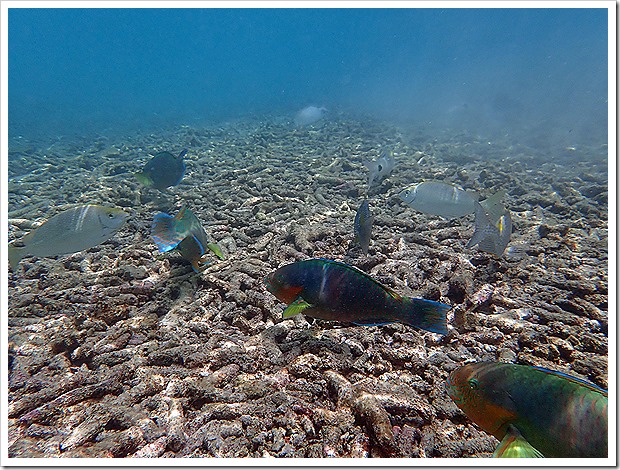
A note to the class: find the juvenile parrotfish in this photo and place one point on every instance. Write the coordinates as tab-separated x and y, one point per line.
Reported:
331	290
492	229
362	226
184	233
309	115
70	231
380	168
163	170
534	412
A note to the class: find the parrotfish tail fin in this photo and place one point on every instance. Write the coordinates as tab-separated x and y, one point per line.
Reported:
216	249
165	232
15	255
182	154
200	264
143	179
424	314
514	445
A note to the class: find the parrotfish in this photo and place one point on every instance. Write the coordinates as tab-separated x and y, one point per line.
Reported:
534	412
163	170
309	115
70	231
185	233
380	168
362	226
492	229
331	290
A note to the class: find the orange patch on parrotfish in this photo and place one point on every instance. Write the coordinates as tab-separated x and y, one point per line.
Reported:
494	419
289	294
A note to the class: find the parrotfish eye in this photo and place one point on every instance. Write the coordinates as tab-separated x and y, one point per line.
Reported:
473	384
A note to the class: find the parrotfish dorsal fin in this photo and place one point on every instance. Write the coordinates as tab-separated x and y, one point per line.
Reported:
182	154
585	383
358	271
295	308
514	445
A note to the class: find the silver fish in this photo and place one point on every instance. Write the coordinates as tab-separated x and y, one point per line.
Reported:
73	230
437	198
491	234
380	168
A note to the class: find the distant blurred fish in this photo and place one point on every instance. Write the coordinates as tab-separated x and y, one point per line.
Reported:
163	170
492	229
185	233
534	412
380	168
362	226
70	231
309	115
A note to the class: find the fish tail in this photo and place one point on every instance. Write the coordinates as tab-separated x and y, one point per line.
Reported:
424	314
15	255
164	232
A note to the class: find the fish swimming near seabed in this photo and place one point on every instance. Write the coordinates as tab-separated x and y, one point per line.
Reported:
362	226
492	229
70	231
185	233
331	290
309	115
163	170
534	412
380	168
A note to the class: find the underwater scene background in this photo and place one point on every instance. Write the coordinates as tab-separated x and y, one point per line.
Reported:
272	126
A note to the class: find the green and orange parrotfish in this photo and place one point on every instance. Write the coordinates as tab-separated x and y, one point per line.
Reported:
331	290
534	412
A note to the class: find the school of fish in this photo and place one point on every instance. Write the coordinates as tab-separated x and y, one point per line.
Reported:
533	412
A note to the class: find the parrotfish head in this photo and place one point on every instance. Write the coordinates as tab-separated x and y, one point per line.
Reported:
278	284
478	390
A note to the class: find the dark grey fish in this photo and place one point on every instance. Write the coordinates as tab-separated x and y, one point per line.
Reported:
491	231
163	170
362	226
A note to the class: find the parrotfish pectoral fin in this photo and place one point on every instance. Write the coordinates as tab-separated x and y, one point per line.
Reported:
298	306
15	255
215	249
143	179
424	314
514	445
164	232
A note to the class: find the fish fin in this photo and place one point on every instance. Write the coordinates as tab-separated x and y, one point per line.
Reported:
295	308
144	179
15	255
577	380
216	249
424	314
514	445
164	232
200	264
486	234
495	201
182	154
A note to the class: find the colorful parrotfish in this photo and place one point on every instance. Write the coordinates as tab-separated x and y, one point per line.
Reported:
331	290
534	412
184	233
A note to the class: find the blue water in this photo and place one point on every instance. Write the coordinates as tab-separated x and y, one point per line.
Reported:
490	71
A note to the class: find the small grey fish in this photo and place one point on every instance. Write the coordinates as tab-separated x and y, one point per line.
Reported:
437	198
309	115
491	234
73	230
362	226
380	168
